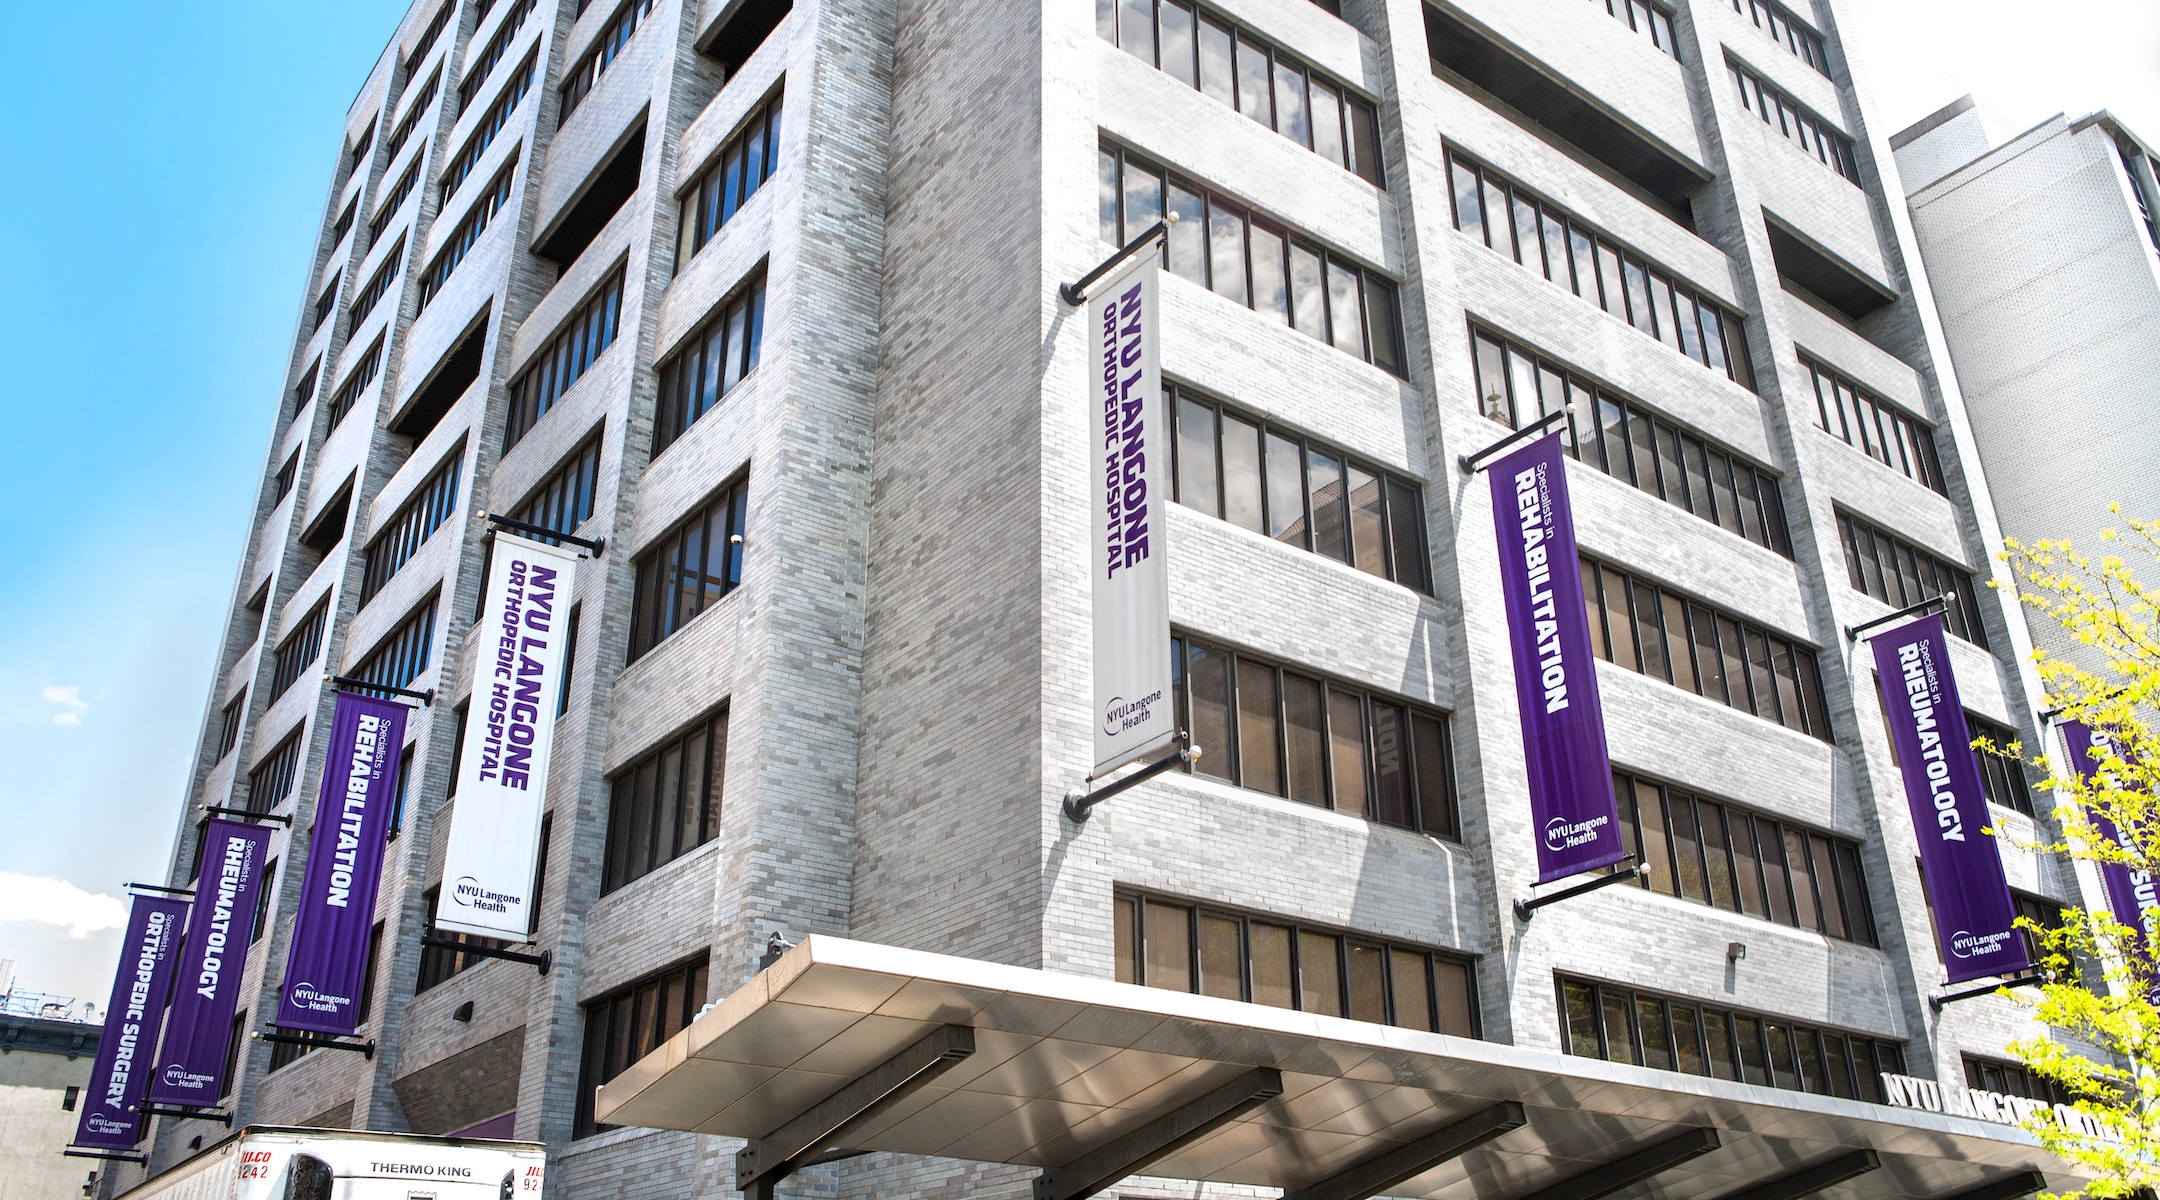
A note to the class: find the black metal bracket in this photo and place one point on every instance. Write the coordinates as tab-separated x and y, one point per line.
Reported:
1471	464
1605	1179
1936	1002
596	545
318	1041
1853	632
244	814
169	891
140	1160
1078	804
1159	1138
361	685
1376	1175
1527	906
763	1162
545	960
2010	1187
183	1113
1075	293
1807	1181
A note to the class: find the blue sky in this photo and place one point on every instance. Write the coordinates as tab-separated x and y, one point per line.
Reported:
163	195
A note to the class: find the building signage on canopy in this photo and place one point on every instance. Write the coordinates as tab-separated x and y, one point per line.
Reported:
326	966
494	844
1556	691
121	1071
1974	915
190	1063
1133	714
1905	1091
2130	892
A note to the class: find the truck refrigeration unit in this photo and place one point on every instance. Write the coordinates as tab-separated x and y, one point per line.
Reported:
271	1162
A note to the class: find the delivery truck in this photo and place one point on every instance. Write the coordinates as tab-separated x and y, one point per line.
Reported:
275	1162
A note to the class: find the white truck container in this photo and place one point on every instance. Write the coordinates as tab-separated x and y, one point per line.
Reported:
271	1162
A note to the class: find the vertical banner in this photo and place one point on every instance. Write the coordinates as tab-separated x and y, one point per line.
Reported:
1563	721
109	1120
502	773
2131	894
1135	716
1974	915
198	1028
326	965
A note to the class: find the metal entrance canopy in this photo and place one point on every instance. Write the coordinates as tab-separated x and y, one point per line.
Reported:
850	1046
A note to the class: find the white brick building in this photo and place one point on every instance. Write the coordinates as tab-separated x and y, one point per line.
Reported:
894	673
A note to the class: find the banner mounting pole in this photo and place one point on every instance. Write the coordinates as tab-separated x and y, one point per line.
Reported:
596	545
1079	805
545	960
1853	632
361	685
1471	464
1075	293
1936	1001
320	1041
242	814
1526	907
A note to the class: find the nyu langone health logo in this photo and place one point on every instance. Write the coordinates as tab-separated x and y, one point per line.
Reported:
1966	944
1561	833
177	1075
1121	715
469	894
304	995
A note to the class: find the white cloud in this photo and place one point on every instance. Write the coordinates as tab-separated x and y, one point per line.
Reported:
46	901
70	700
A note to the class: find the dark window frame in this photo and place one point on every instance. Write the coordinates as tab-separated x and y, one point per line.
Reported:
1904	574
271	778
729	178
657	601
299	649
635	787
606	1055
431	506
691	384
1814	133
589	332
580	80
1781	26
1886	433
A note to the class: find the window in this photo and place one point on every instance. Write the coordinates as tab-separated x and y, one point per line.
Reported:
304	391
2002	778
666	805
418	109
688	571
2132	157
1644	627
625	1026
229	722
1647	19
569	668
432	503
1798	125
491	55
583	338
1530	230
1241	256
1210	53
564	500
326	303
709	365
348	392
344	222
284	1054
366	1007
378	287
404	789
1318	741
579	81
2048	915
263	896
1285	964
235	1041
1895	572
403	655
1786	30
282	483
1728	857
728	182
360	146
1298	491
439	963
1669	1033
297	652
2012	1079
427	39
392	201
1874	427
1620	438
467	234
483	135
272	779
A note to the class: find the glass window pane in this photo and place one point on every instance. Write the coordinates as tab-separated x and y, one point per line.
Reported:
1127	912
1747	1032
1852	891
1747	867
1215	72
1717	856
1714	341
1782	1067
1612	425
1760	677
1582	1019
1270	286
1368	522
1656	851
1208	674
1584	252
1188	239
1717	1045
1837	1072
1241	472
1327	127
1406	529
1252	83
1407	986
1436	802
1136	29
1330	520
1196	457
1346	740
1383	325
1687	846
1527	245
1668	327
1619	1027
1669	469
1285	490
1770	845
1523	375
1638	295
1307	302
1258	737
1177	42
1391	782
1469	216
1319	974
1833	911
1676	638
1222	958
1368	984
1649	634
1491	363
1365	142
1272	981
1497	234
1642	443
1306	746
1650	1022
1345	322
1169	946
1107	194
1733	648
1689	330
1687	1042
1696	463
1226	251
1788	684
1293	118
1554	233
1708	662
1803	887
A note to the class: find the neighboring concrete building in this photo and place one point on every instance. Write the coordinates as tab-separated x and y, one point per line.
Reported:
2044	252
44	1066
661	272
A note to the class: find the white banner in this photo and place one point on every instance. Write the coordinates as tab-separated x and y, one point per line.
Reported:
510	729
1134	708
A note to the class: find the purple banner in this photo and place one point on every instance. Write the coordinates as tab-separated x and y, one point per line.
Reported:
327	969
1974	915
1563	723
206	992
109	1120
2131	894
